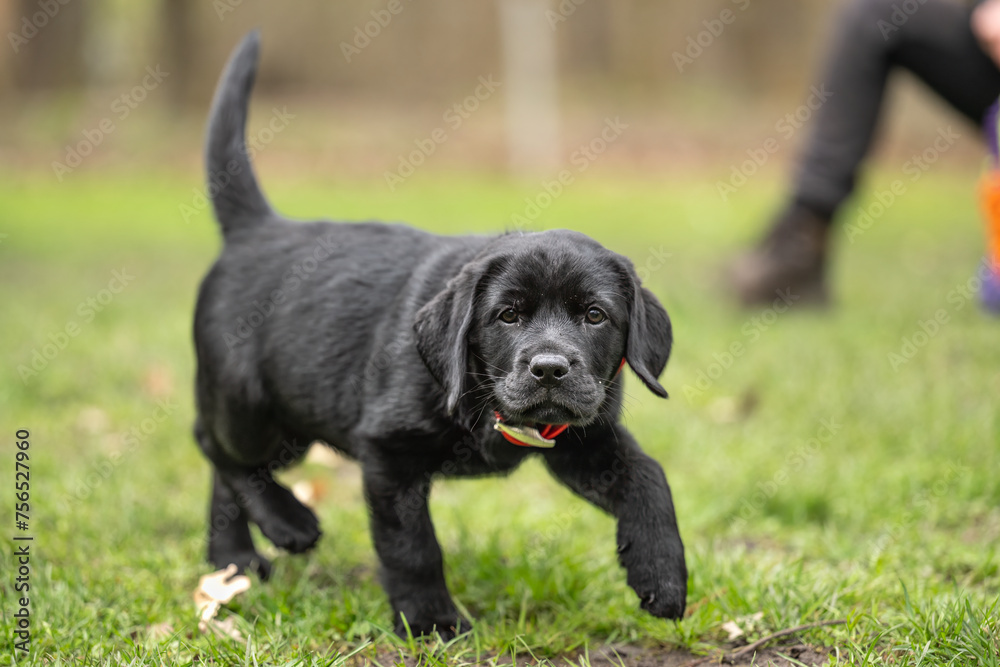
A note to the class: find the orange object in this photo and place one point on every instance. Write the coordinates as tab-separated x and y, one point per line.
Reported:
989	201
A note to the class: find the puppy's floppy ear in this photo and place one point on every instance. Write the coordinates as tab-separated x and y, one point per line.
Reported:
650	336
442	330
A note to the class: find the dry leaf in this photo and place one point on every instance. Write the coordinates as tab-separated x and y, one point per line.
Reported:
304	491
322	455
724	410
158	381
215	590
92	420
224	628
749	403
732	629
730	409
159	631
221	586
310	491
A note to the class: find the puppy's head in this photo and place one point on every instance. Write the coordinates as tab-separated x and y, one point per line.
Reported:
537	327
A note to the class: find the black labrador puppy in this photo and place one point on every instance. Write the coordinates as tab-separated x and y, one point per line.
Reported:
418	356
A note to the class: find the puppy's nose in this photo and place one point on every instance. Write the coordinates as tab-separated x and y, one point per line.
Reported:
549	369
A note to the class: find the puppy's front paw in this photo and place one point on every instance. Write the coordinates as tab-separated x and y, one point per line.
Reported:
660	582
665	601
430	615
448	627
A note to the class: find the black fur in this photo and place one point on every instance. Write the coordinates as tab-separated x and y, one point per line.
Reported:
389	344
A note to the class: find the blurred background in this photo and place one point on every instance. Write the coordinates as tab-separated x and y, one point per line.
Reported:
822	462
363	93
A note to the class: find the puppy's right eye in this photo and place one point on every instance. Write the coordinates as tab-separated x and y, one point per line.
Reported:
509	316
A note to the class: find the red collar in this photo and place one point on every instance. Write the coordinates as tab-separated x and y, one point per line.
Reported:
548	432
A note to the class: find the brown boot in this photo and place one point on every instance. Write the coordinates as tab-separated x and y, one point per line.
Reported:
791	258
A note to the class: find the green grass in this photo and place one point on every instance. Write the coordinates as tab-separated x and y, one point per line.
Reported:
890	519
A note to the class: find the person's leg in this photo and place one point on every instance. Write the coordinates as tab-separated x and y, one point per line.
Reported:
936	43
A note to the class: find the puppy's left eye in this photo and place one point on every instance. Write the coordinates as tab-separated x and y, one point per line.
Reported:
596	315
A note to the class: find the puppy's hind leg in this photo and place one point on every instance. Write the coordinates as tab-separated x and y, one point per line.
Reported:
284	520
259	499
229	539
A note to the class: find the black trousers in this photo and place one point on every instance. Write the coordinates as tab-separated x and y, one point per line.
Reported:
932	39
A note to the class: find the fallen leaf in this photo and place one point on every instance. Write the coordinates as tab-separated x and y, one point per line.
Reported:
322	455
732	630
732	409
215	590
158	381
724	410
224	628
221	586
305	492
92	420
159	631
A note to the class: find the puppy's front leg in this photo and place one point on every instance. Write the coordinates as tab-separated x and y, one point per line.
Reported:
612	472
412	567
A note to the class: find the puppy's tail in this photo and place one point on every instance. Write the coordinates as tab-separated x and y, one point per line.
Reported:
236	196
